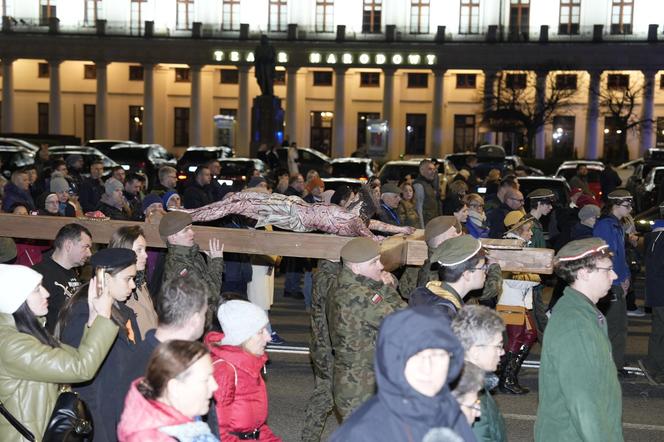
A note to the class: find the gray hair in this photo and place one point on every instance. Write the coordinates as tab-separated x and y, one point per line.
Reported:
476	324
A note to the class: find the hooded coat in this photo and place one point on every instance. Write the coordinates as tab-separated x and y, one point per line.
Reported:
398	412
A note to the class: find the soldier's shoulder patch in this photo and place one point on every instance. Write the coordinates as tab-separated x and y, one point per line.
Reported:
376	298
184	272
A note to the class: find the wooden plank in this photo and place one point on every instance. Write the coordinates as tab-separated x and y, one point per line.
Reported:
524	260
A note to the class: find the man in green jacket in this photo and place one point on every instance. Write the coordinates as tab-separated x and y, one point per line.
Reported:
183	256
579	394
363	295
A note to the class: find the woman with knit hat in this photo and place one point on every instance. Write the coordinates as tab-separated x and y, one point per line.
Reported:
238	355
32	362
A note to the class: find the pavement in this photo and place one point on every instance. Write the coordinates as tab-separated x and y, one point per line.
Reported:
290	382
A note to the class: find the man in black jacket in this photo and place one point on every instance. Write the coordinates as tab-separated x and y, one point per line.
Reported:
198	193
92	188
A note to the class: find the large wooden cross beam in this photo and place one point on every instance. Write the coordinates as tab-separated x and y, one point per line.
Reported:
395	251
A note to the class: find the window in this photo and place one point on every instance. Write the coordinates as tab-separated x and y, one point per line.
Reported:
660	132
42	118
621	16
230	18
466	81
277	16
563	136
136	17
89	111
661	81
416	130
516	81
229	76
226	133
280	77
371	15
184	14
135	73
519	19
614	134
182	75
369	79
92	12
324	15
566	81
321	131
89	71
570	11
43	70
617	81
46	11
136	123
419	16
322	78
464	133
362	118
469	20
181	127
418	80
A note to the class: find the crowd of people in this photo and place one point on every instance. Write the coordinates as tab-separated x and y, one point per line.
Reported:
170	344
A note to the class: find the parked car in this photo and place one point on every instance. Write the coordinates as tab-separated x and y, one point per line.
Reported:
506	163
398	170
308	158
568	169
195	156
14	157
335	183
236	172
89	155
626	170
19	143
105	145
360	168
646	192
143	158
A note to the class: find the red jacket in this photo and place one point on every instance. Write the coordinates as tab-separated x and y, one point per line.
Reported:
241	397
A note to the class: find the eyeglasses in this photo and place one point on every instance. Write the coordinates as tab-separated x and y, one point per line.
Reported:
484	267
520	200
474	406
481	206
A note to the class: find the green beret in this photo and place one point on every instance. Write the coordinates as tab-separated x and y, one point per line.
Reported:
620	194
390	188
539	194
440	225
7	249
172	223
360	250
457	250
581	248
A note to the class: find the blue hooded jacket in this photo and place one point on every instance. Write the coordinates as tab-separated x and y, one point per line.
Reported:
610	230
397	412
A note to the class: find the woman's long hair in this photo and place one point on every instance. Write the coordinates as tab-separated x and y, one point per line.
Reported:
27	322
124	238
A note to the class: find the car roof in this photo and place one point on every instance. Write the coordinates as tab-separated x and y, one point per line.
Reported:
593	166
313	151
208	148
402	163
112	141
351	160
344	180
135	146
12	148
577	162
542	178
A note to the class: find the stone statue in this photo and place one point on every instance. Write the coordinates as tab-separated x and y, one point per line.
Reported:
265	59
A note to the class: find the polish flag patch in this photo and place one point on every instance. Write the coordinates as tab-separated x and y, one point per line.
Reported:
184	272
376	298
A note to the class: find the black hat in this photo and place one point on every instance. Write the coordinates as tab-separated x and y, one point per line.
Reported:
112	257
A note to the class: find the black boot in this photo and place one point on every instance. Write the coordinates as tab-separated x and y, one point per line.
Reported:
521	356
508	382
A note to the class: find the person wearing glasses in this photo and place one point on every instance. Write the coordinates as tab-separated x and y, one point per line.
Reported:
579	394
513	201
476	223
466	391
609	228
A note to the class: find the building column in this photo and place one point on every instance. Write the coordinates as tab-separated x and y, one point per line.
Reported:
102	90
291	103
592	124
54	127
148	103
195	105
243	114
338	139
489	98
388	114
648	117
437	112
7	95
540	98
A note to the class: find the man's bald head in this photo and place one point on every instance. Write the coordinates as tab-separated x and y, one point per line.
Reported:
514	199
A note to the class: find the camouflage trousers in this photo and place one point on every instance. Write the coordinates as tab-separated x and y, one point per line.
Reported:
352	387
320	405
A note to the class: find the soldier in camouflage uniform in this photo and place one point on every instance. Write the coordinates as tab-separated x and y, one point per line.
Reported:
184	258
363	296
321	403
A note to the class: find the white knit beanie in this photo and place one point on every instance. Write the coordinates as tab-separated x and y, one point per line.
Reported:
18	282
240	320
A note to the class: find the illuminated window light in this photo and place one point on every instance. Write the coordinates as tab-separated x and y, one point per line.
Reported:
619	131
218	55
347	58
282	57
606	131
397	59
235	56
331	59
414	58
431	59
250	57
380	58
364	58
315	57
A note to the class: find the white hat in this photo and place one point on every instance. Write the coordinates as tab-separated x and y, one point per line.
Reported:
240	320
18	282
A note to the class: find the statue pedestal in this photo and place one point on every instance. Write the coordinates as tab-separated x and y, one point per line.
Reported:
267	122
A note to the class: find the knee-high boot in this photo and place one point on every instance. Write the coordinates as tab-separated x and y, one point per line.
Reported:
508	382
521	356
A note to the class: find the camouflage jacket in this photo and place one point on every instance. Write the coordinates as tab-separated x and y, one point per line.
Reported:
320	347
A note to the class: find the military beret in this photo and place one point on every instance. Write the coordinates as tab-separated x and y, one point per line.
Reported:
390	188
360	250
539	194
620	194
113	257
581	248
457	250
172	223
440	225
7	249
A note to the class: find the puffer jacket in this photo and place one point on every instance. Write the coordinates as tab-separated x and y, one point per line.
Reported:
31	371
148	420
242	396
